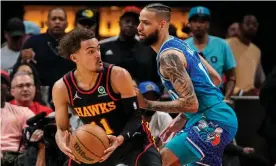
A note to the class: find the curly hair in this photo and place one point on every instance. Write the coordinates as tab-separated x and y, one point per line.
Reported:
71	42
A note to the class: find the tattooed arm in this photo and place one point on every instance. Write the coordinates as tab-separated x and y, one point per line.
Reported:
172	67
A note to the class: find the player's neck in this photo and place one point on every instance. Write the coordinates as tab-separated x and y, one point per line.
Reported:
156	47
86	78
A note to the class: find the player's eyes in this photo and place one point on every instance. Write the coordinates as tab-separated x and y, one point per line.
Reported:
91	52
146	23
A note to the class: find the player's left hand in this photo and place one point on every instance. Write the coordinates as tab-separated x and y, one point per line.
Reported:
115	142
141	100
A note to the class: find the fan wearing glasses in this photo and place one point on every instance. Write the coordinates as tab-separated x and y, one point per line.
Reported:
23	90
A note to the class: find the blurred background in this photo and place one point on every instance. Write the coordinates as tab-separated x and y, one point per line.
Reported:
223	15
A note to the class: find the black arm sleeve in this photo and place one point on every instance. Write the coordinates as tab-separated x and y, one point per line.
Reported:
131	108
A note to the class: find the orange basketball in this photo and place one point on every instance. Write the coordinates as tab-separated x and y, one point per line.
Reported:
88	143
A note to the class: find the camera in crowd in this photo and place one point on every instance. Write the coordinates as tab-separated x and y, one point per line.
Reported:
38	122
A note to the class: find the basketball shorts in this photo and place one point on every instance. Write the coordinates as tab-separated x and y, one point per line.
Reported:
131	153
200	144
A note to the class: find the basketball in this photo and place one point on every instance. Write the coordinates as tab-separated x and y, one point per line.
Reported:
88	143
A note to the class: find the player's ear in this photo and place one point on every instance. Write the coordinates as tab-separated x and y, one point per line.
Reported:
162	23
73	58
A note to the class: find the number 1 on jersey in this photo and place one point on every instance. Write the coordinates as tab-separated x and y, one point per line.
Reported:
105	125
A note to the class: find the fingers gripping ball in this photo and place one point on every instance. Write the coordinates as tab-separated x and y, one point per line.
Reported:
88	143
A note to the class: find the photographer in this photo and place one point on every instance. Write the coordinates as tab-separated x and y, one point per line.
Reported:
13	121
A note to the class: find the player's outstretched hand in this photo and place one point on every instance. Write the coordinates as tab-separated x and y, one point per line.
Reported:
176	125
63	144
115	142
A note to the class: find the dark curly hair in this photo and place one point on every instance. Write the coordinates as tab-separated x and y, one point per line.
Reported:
71	42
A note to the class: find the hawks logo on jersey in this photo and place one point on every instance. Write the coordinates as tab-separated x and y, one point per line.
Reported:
95	109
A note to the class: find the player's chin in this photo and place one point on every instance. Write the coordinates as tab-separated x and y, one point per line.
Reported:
99	69
142	37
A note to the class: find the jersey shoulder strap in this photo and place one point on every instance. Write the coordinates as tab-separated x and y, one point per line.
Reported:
67	79
107	77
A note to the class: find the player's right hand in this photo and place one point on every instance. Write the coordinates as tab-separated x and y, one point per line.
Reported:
115	142
63	145
176	125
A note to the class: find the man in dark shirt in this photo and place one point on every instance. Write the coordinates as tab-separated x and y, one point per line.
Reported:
87	18
42	50
126	51
268	101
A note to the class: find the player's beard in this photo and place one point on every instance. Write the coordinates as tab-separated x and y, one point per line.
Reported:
150	39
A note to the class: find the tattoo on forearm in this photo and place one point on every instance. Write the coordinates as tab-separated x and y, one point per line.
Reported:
173	69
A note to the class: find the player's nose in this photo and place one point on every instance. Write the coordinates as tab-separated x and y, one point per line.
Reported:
139	27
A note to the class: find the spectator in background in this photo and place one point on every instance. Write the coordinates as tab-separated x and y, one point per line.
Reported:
42	51
14	34
236	155
23	90
214	49
126	51
158	121
31	70
187	29
249	73
87	18
268	128
172	30
233	30
13	121
31	29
